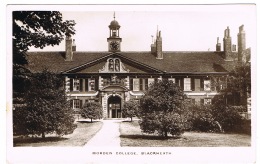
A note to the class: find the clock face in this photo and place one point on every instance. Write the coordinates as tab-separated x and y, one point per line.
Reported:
114	45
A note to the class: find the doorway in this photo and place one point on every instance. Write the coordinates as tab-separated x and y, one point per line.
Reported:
114	107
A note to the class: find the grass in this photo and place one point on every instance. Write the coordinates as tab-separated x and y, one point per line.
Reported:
131	135
82	134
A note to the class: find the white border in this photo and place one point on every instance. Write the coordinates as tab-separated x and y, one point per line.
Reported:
78	155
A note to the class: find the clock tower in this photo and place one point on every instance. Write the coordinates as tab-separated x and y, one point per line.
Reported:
114	40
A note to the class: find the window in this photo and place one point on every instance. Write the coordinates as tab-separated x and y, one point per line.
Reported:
187	84
150	81
197	84
75	84
172	79
207	85
76	104
91	84
207	101
136	84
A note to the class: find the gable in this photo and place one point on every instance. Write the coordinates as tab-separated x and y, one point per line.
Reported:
113	63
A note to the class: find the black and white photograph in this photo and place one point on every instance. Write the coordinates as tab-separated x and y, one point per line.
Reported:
131	83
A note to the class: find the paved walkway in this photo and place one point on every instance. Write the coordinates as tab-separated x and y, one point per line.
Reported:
108	135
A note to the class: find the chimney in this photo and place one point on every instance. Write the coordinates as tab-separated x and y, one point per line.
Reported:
73	46
227	45
68	49
241	42
159	54
153	46
218	45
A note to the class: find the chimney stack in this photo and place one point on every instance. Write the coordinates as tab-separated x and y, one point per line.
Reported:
73	46
227	45
218	45
241	42
159	54
68	49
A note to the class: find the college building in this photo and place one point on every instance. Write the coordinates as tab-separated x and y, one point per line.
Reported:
115	76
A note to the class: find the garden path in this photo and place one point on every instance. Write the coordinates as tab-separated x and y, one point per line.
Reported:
108	136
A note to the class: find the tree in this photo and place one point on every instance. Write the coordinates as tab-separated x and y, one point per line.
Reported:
46	110
37	29
161	108
92	110
228	116
239	82
130	109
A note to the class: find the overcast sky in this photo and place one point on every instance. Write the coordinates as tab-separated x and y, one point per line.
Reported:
183	27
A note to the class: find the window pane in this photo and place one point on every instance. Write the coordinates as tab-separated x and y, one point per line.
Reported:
207	101
75	84
150	81
136	84
91	84
206	85
76	104
197	84
187	84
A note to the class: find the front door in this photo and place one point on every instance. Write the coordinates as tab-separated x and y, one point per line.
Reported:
114	107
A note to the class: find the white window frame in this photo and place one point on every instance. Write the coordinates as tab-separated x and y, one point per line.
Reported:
136	84
207	101
76	85
76	104
187	84
91	84
150	81
207	85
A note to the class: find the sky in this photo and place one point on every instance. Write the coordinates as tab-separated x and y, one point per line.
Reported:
183	27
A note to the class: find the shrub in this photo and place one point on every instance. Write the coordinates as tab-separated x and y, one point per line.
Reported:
46	109
92	110
130	109
161	108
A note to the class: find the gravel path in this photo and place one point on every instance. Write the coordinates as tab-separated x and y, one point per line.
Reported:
108	136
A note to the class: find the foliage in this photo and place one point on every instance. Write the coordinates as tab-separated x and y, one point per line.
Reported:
38	29
130	109
161	108
46	110
202	118
92	110
228	116
239	83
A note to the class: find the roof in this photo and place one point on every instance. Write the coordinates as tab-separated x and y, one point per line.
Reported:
172	62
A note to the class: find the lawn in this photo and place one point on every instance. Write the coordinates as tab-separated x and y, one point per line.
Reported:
81	135
131	135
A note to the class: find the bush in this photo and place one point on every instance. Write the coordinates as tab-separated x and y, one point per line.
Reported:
228	117
161	108
199	118
130	109
92	110
46	109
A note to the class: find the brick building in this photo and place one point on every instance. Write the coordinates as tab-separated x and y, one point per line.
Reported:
115	76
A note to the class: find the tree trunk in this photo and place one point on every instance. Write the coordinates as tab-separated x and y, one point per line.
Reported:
131	119
43	135
165	134
91	120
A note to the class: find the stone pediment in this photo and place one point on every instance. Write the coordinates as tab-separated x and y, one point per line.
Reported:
113	63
